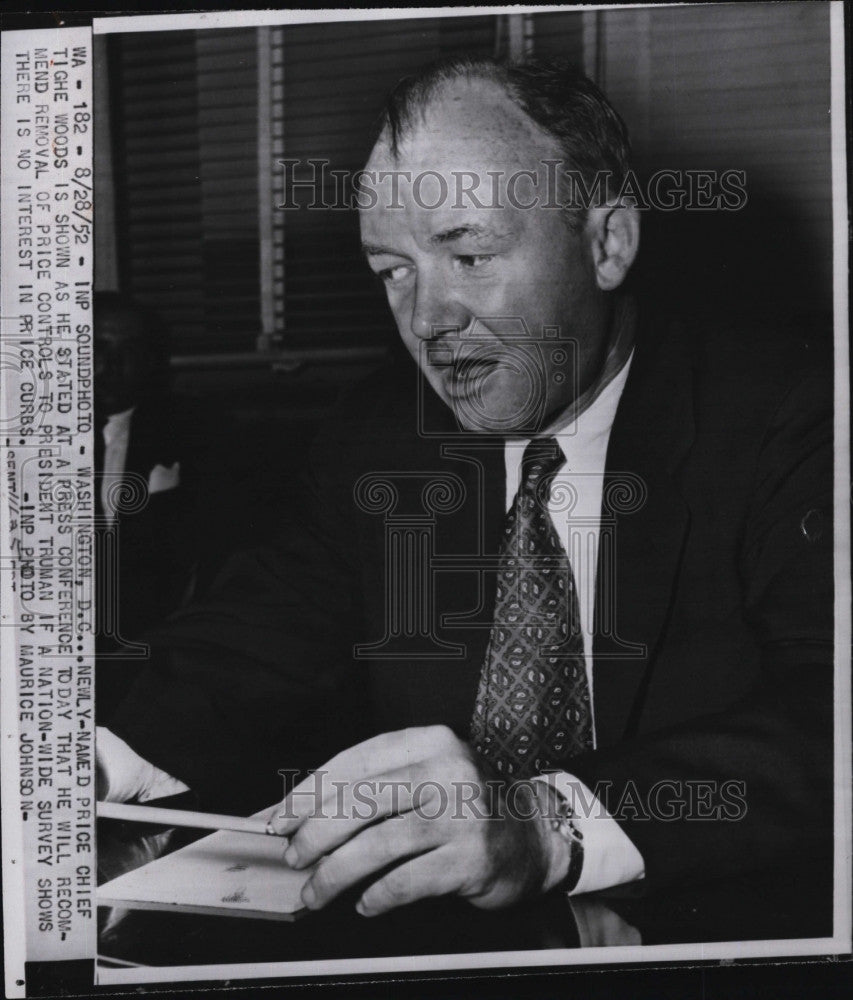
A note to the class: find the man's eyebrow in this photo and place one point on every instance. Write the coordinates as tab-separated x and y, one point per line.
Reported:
459	232
374	250
439	238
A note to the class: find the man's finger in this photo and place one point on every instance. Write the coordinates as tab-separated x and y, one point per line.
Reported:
431	874
372	850
372	758
355	806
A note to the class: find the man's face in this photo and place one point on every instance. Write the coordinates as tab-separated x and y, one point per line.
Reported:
497	303
123	363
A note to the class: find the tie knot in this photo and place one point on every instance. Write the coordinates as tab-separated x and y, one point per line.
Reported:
542	457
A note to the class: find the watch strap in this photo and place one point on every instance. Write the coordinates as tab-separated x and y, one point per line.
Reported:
561	818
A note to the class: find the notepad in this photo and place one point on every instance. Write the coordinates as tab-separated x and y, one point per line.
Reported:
227	873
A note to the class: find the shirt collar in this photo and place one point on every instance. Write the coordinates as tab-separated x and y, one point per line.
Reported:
117	425
616	363
596	420
592	415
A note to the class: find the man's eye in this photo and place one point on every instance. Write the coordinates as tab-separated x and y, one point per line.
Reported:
470	262
394	275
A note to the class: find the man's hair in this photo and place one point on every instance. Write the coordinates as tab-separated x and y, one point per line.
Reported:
139	323
560	100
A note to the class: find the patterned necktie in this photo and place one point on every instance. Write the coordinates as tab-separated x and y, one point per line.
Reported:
533	703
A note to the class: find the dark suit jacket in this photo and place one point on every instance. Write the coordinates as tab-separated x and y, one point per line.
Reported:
147	560
714	620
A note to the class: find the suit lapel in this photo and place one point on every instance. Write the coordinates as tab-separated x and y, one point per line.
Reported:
431	675
644	525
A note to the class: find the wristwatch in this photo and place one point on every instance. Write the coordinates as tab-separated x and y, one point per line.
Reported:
561	818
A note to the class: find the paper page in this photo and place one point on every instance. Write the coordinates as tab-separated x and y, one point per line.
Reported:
240	874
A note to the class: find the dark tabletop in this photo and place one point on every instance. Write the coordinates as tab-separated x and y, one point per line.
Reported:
767	905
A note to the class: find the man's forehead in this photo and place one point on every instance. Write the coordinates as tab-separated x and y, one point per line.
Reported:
448	177
447	225
468	125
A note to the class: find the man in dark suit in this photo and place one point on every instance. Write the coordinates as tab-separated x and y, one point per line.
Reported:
428	617
145	498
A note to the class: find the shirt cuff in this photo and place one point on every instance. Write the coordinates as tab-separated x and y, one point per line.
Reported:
610	857
129	776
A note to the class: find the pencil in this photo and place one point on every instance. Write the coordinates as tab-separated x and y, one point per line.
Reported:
183	817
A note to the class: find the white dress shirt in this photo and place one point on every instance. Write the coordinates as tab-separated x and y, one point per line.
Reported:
116	433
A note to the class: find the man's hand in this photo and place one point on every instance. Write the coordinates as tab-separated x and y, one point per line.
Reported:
121	775
416	809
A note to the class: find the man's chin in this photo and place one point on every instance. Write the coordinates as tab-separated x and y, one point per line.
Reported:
478	424
107	406
499	422
491	406
495	413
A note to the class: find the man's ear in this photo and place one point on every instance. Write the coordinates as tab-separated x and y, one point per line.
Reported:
615	233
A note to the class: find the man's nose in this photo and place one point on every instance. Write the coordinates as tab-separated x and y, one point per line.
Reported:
436	311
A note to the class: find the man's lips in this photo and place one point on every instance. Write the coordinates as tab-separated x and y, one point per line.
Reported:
468	375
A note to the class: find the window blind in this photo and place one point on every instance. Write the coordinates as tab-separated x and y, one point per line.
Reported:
331	81
735	86
743	86
184	126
